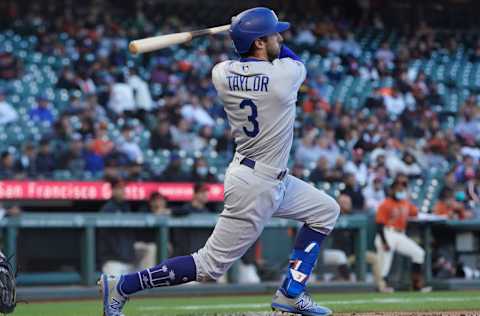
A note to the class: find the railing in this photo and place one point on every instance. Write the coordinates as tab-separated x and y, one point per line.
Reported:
87	223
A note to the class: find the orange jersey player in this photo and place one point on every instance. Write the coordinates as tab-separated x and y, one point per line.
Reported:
392	217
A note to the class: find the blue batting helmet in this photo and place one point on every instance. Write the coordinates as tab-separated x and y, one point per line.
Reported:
252	24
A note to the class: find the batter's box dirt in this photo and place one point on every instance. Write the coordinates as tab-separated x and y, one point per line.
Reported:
449	313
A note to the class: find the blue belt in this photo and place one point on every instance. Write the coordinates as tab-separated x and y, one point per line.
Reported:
251	164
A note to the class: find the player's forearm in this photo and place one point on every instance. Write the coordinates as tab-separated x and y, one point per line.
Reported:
287	52
381	232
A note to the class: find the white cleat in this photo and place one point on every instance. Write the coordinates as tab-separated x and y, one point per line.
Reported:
302	304
113	301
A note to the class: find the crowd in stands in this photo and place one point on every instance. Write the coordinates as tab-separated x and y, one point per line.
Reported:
157	117
124	110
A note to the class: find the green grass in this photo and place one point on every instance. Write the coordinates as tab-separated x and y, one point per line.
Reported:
345	302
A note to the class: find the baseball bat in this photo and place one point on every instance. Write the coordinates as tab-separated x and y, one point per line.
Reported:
150	44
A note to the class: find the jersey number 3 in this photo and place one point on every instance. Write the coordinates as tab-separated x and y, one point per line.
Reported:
251	118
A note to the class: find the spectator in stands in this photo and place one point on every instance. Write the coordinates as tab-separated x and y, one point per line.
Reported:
7	163
145	246
63	129
374	194
385	54
320	85
143	98
184	138
336	173
76	105
306	37
194	112
161	137
354	191
127	145
465	170
158	204
116	245
407	165
298	171
320	172
7	112
85	82
307	152
173	171
335	43
42	112
205	135
88	128
93	109
351	46
199	201
137	171
200	172
67	80
45	162
101	145
326	147
10	66
187	240
448	206
369	72
335	73
73	158
368	139
357	167
468	126
473	187
122	100
449	180
395	103
25	166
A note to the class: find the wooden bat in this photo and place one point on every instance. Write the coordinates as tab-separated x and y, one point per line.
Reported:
150	44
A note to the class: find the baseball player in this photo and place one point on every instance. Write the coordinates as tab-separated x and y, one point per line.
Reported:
259	93
392	216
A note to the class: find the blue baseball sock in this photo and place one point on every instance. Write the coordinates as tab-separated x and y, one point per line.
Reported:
172	271
302	261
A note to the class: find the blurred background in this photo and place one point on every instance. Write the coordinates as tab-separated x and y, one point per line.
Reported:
88	131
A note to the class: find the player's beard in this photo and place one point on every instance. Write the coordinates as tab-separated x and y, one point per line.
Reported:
273	51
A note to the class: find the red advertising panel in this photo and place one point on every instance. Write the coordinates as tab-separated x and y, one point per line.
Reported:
98	190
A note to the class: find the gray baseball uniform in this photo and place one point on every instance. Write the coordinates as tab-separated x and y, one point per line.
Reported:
259	99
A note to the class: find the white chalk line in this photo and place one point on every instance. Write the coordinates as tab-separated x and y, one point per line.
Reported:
384	301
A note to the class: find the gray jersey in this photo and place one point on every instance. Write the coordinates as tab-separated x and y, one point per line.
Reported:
259	98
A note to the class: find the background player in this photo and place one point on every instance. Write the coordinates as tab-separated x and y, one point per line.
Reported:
259	93
392	216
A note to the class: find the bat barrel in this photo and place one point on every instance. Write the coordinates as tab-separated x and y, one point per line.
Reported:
158	42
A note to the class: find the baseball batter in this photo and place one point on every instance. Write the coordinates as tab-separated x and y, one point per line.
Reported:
259	93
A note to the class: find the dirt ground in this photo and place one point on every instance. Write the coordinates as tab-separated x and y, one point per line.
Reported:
449	313
459	313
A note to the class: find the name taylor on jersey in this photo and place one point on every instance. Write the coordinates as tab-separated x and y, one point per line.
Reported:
248	83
